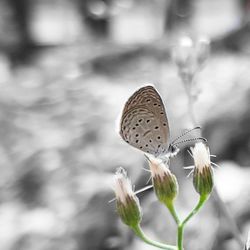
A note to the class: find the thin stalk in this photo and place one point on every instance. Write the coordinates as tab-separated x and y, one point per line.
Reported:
232	224
139	232
202	200
188	85
180	237
173	212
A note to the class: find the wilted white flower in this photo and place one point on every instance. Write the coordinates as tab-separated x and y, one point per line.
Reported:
203	172
127	203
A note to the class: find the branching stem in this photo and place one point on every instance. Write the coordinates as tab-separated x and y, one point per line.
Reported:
202	200
139	232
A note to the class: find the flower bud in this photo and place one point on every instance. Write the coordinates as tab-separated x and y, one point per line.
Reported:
203	172
202	50
164	182
127	203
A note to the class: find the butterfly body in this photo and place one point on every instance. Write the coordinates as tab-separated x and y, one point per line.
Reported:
144	124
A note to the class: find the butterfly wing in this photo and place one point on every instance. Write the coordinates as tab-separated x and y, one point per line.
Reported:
144	123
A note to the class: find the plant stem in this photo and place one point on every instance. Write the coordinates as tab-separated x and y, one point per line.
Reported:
171	209
202	200
180	237
188	85
139	232
181	225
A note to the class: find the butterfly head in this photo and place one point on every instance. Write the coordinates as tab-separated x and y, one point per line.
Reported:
173	150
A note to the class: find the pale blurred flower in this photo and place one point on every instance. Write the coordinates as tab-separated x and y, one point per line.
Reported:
190	56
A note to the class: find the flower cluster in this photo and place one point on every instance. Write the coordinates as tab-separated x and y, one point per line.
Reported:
190	56
165	185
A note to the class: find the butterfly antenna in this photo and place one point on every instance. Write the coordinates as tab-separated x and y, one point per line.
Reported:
186	132
192	139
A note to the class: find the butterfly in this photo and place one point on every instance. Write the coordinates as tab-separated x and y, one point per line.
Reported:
144	124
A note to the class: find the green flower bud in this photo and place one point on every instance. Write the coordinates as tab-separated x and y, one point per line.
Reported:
203	172
164	182
127	203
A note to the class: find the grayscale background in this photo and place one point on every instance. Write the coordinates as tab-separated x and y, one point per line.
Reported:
66	70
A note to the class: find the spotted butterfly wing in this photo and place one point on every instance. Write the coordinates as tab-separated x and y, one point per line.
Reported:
144	123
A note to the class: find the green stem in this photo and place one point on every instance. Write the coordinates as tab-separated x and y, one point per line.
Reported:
180	237
202	200
171	209
139	232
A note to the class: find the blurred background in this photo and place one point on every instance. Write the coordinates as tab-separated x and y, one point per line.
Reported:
66	70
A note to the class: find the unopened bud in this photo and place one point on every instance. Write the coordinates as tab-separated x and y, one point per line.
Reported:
202	51
164	182
203	172
127	203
